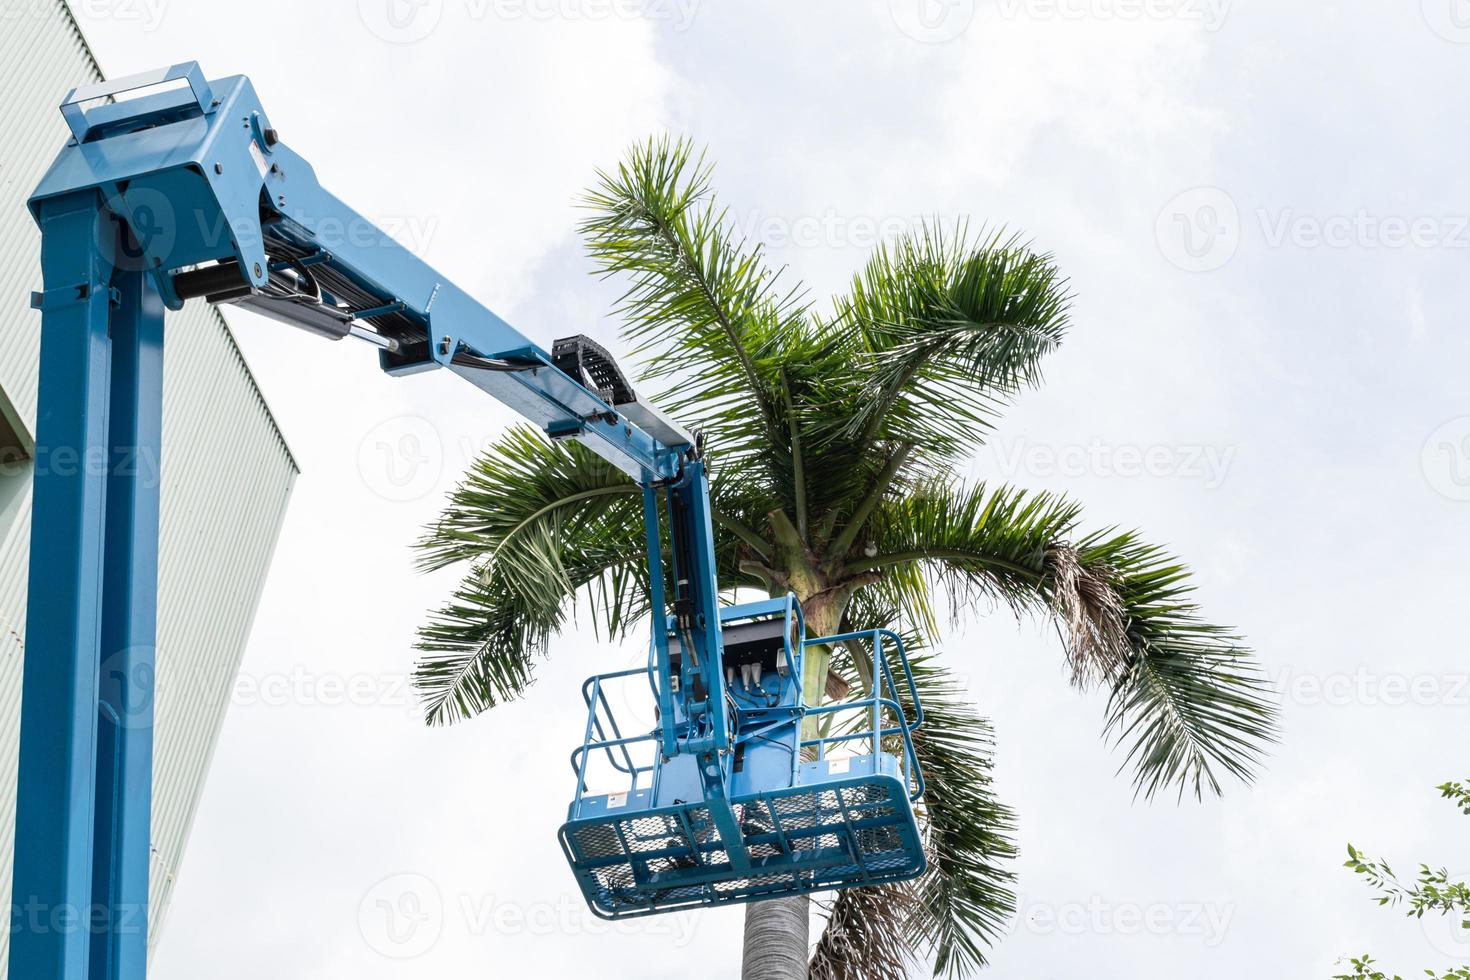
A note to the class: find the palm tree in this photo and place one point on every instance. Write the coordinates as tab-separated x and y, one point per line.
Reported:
836	439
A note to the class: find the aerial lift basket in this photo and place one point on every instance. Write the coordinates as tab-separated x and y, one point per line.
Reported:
828	811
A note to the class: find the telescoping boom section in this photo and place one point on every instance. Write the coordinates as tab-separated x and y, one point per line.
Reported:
722	781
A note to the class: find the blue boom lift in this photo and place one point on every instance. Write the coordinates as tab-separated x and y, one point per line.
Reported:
183	190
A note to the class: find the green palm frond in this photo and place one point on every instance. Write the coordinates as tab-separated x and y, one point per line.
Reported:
907	592
544	525
965	900
519	491
1186	700
481	645
1191	700
978	541
700	304
541	523
945	329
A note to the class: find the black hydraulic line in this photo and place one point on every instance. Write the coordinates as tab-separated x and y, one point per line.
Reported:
492	363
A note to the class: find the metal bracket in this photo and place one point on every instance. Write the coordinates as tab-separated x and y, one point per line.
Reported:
63	296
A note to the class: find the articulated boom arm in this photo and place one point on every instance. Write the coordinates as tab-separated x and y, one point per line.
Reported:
184	190
217	206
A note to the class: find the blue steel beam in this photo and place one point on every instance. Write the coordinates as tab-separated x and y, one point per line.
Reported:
129	613
702	686
51	891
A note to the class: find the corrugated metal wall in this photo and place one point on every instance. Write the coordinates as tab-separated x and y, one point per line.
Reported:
226	471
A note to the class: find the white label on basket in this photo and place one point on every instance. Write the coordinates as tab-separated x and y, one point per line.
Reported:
837	766
616	800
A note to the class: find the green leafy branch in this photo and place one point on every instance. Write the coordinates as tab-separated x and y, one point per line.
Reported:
1431	891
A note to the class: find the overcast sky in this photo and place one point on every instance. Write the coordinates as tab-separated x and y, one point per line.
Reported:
1263	209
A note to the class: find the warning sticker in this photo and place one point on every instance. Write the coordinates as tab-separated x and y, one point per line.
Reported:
617	800
837	766
258	157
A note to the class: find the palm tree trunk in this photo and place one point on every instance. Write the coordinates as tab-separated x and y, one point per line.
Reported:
776	930
776	939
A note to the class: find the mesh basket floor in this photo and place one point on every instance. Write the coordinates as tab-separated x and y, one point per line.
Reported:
838	835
